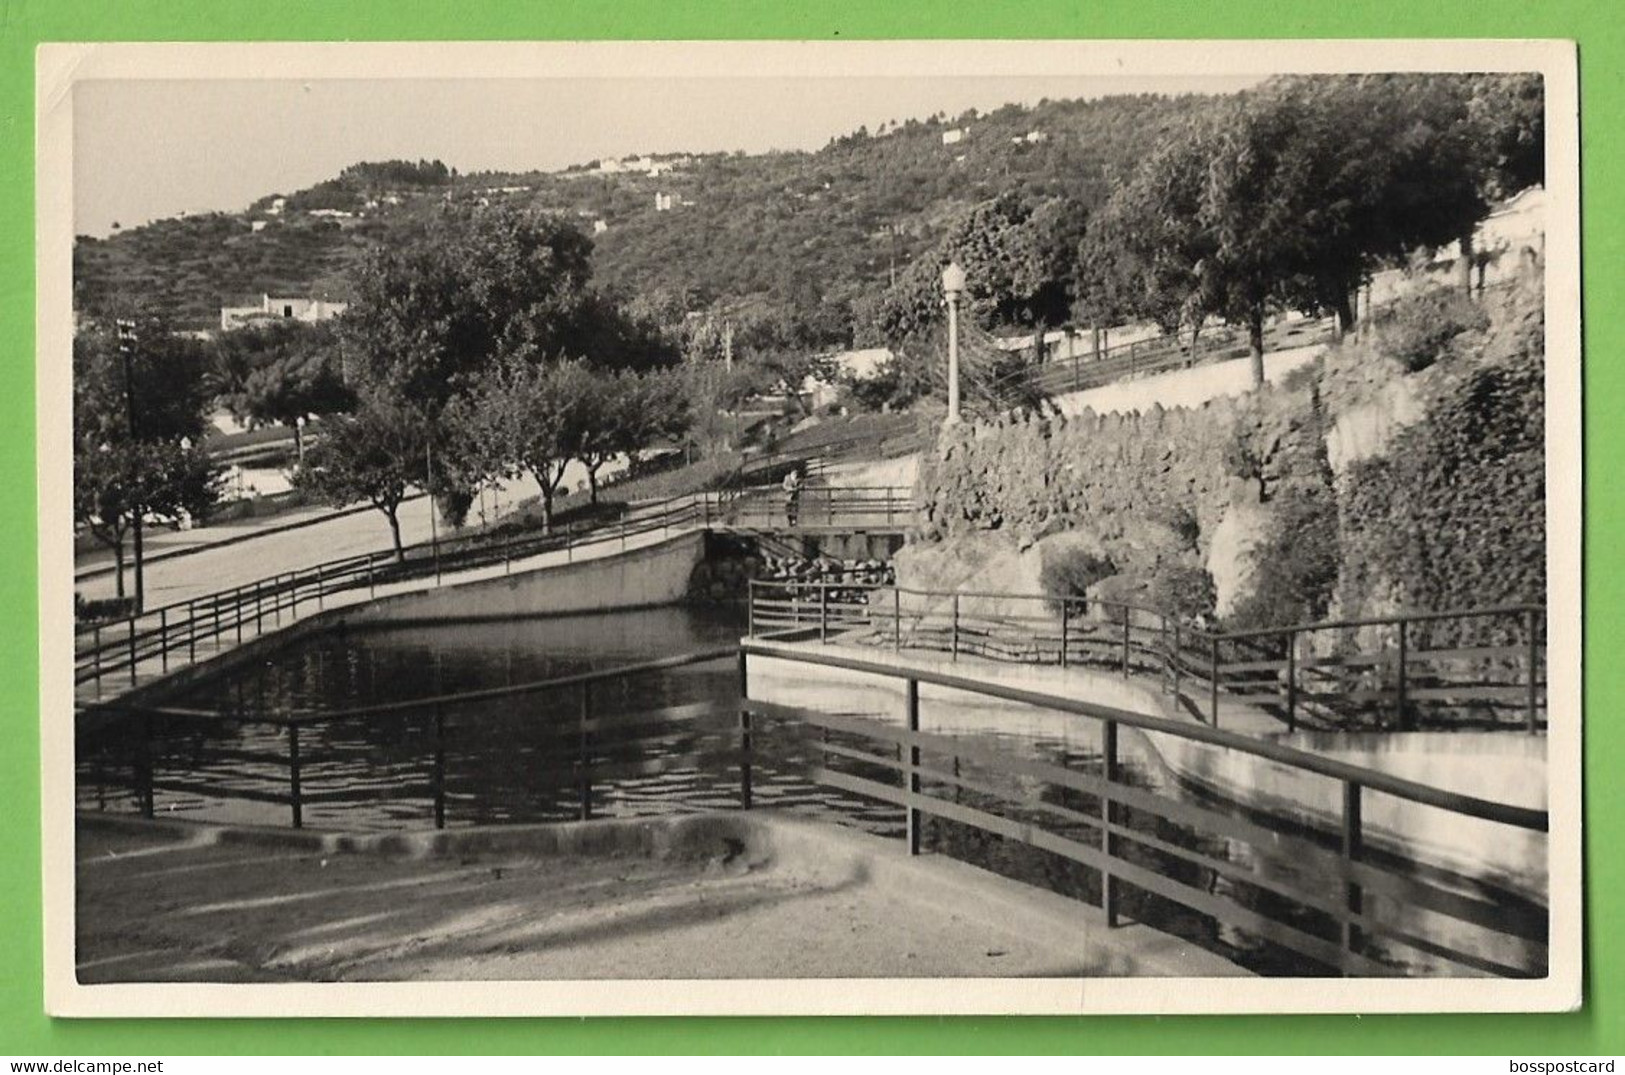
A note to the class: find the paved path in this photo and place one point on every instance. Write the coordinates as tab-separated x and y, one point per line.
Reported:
726	895
117	682
216	568
1187	388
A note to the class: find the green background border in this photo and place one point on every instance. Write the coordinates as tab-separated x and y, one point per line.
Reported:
24	1029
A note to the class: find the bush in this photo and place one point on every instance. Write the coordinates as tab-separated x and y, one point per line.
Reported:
1183	591
101	609
1420	328
1296	565
1071	572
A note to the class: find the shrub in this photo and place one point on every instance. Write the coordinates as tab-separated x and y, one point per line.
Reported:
1295	566
1070	572
1182	521
1418	329
1243	459
1183	590
101	609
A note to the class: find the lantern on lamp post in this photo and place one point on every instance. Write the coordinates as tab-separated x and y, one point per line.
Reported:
953	286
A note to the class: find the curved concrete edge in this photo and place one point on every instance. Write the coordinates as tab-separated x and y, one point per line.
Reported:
758	840
652	571
1514	859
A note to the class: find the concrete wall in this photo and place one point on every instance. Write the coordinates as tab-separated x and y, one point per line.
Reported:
654	575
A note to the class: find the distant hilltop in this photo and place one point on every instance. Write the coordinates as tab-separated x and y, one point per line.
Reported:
782	231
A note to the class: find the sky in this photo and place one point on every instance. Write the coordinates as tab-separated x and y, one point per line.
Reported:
149	149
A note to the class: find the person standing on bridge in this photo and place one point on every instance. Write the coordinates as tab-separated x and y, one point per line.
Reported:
792	495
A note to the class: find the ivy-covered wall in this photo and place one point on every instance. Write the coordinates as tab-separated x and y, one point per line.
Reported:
1367	484
1452	516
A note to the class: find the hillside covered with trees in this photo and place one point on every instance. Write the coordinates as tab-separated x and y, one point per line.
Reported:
791	238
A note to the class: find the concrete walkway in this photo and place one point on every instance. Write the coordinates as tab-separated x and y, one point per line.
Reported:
724	895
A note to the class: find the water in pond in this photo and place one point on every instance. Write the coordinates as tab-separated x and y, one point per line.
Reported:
514	759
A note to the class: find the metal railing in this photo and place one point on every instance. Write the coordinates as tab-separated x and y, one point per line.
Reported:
123	747
1477	666
1330	895
1332	890
1089	369
173	633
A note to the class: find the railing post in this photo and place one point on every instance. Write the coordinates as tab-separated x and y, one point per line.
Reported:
191	632
96	655
1401	710
1127	615
912	782
823	611
439	767
1533	627
1213	683
956	629
321	585
1175	659
744	733
1108	817
147	794
276	599
1291	681
163	639
132	651
372	586
295	796
583	747
240	607
293	610
1066	639
259	612
897	618
1352	849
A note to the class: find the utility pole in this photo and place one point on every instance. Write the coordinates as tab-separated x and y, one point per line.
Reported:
428	489
126	350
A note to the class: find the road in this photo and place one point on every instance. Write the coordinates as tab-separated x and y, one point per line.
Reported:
211	570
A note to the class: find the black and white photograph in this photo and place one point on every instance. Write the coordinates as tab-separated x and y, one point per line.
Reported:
723	528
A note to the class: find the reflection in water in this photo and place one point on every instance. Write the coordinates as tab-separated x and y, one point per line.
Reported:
516	759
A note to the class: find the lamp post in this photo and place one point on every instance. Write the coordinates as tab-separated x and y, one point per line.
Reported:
953	286
126	350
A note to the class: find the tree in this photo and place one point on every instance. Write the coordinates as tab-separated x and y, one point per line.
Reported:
138	404
1144	253
617	415
473	290
282	372
1290	198
520	418
116	484
374	456
1508	113
1018	255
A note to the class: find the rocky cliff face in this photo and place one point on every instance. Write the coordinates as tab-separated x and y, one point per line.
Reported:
1396	481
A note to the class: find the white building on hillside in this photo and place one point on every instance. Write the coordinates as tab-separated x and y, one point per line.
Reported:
271	308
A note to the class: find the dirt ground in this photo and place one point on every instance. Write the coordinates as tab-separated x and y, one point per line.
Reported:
155	908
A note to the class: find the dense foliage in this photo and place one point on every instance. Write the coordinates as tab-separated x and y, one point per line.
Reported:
138	402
